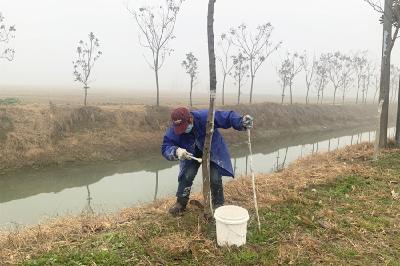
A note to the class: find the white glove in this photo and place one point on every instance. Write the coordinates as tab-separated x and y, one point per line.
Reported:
183	154
247	122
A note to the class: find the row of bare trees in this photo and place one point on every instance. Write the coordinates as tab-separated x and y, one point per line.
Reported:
242	52
342	71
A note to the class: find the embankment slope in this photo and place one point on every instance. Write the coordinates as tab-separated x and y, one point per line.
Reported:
39	135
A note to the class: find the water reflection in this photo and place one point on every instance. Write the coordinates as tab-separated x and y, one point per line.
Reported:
30	195
88	210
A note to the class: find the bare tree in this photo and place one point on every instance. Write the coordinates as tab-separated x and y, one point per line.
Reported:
283	73
87	55
321	77
156	30
289	69
367	80
376	83
191	68
257	48
394	77
211	112
360	66
295	68
225	45
241	68
346	75
390	17
6	34
309	69
334	68
340	69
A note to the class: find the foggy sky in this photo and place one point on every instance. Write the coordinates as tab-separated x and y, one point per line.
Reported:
48	32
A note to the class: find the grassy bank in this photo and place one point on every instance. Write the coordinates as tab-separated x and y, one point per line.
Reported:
39	135
336	208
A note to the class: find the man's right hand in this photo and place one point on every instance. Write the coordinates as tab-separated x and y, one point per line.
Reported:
183	154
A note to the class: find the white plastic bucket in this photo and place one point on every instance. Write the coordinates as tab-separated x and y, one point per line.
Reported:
231	222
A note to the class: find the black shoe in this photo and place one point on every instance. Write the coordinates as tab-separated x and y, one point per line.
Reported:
177	209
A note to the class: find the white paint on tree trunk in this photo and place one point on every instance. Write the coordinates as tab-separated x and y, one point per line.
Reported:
385	43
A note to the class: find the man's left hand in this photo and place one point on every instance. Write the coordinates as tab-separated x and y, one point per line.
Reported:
247	122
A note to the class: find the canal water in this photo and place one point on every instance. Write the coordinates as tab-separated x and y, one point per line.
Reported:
31	196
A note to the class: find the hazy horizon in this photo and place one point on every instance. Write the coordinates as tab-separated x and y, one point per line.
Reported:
48	33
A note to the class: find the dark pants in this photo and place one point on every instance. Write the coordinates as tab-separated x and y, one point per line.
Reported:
186	181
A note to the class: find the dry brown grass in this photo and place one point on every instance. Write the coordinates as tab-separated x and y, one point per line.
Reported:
272	188
311	170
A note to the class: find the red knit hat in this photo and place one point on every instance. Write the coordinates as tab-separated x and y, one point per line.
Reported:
180	119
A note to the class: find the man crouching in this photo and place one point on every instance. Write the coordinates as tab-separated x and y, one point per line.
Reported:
185	139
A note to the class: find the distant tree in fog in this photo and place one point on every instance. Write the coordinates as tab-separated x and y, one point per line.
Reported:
240	72
346	76
225	47
6	34
87	55
367	81
334	71
283	73
394	82
191	67
289	69
376	82
295	68
156	30
309	69
255	47
340	68
360	62
321	76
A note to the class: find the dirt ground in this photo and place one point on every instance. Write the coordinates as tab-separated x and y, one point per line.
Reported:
39	135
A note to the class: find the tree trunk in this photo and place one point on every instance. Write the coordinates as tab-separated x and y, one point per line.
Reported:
157	85
343	96
240	81
191	90
291	94
385	74
85	100
322	96
251	88
398	119
223	89
334	95
308	91
358	91
211	112
376	92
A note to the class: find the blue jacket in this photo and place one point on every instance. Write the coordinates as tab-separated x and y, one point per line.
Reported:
219	150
